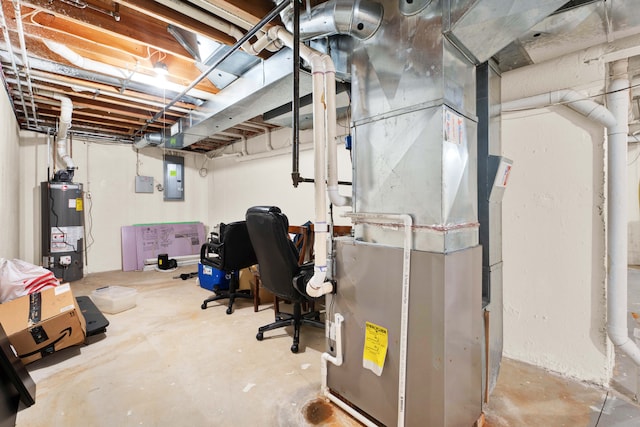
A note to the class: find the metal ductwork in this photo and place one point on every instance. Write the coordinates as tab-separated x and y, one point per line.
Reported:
415	155
480	28
153	139
360	19
265	86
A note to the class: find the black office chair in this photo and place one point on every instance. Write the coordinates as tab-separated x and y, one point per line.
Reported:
232	252
279	269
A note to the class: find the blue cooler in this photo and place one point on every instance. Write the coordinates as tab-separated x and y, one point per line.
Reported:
210	277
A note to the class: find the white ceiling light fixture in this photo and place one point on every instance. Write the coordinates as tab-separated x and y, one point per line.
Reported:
161	69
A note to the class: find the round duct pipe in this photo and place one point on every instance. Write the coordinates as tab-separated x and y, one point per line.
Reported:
360	19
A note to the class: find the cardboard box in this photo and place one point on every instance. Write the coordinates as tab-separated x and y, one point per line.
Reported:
44	322
248	281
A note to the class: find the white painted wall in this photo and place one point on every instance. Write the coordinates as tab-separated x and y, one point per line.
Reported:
238	183
107	172
9	177
554	226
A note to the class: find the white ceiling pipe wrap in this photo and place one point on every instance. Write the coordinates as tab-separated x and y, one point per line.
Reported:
616	120
317	285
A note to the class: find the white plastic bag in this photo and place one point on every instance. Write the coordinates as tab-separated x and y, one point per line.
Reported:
19	278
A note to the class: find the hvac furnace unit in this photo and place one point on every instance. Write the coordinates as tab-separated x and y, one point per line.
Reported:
63	229
409	283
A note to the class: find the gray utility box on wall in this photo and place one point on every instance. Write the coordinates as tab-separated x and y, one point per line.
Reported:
173	178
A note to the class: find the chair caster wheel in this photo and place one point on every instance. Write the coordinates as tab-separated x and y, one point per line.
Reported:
294	348
259	336
229	310
203	306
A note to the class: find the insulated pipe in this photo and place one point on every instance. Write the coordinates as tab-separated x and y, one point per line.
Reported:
332	148
317	285
618	102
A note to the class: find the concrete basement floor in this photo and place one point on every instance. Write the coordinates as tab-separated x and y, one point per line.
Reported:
167	362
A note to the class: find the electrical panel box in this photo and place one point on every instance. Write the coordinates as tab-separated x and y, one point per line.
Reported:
144	184
173	178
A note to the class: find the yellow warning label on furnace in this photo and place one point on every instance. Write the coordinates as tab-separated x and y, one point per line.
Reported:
376	341
78	205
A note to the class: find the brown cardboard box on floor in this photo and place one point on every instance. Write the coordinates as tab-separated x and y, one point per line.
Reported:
42	323
248	281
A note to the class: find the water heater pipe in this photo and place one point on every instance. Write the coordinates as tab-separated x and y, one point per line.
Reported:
616	120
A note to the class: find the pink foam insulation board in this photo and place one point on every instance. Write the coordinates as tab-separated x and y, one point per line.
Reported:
141	242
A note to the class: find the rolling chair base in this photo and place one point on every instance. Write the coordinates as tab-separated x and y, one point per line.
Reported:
244	293
296	319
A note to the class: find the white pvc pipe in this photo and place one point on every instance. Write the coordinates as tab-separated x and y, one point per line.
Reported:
617	311
332	148
267	133
66	111
616	120
317	285
337	361
571	99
